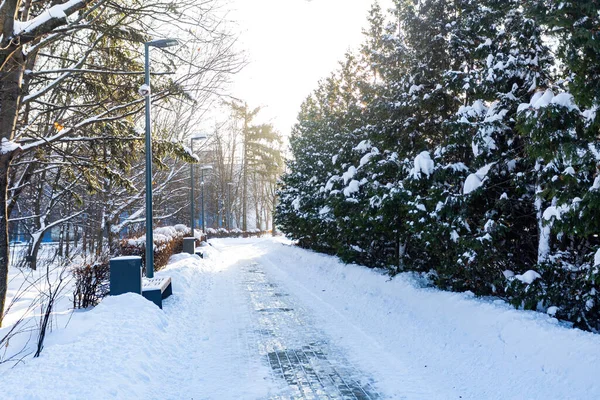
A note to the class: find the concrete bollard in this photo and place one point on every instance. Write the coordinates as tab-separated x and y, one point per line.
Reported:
189	245
125	275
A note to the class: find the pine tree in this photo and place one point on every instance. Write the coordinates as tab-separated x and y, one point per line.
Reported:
499	58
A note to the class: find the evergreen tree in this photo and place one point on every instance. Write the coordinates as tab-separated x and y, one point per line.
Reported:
460	154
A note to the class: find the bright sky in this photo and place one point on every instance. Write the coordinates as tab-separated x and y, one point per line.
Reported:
290	45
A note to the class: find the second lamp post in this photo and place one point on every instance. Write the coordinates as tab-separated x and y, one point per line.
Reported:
192	208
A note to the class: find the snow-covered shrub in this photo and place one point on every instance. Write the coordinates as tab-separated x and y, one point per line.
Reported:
233	233
168	240
571	295
91	283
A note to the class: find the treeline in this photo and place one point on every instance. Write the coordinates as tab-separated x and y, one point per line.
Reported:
461	141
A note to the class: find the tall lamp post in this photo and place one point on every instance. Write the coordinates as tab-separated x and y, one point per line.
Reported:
192	208
146	92
204	168
229	185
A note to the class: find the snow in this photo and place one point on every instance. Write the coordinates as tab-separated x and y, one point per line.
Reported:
539	100
597	258
508	274
56	11
590	114
126	258
462	346
363	146
528	277
8	146
589	304
367	157
474	181
554	212
544	100
353	187
454	236
423	164
325	210
296	203
565	100
409	340
414	88
349	174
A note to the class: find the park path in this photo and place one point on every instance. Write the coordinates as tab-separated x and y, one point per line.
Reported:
257	317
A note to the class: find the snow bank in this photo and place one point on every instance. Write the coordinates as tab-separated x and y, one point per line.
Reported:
127	348
463	346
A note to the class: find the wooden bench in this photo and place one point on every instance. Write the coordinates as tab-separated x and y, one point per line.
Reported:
157	289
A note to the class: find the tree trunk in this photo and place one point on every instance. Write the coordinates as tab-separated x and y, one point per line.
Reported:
34	249
68	239
4	244
12	62
273	229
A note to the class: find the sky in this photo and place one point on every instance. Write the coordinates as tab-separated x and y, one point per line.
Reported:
290	45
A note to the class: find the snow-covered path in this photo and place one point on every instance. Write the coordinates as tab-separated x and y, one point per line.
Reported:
260	319
307	362
303	360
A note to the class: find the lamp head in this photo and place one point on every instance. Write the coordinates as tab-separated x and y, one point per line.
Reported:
162	43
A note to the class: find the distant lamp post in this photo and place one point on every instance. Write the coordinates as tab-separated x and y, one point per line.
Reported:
202	169
146	92
192	208
229	185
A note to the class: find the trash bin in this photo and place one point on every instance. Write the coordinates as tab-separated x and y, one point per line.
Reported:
189	245
125	275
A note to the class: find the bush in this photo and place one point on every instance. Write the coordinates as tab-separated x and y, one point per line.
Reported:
91	283
168	240
233	233
569	295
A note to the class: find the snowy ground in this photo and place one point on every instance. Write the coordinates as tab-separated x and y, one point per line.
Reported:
260	319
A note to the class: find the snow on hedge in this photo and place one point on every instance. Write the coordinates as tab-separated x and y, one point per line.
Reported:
474	181
544	99
528	277
423	165
161	235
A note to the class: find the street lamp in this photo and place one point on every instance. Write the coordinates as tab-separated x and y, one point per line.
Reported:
202	169
229	185
192	208
146	92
